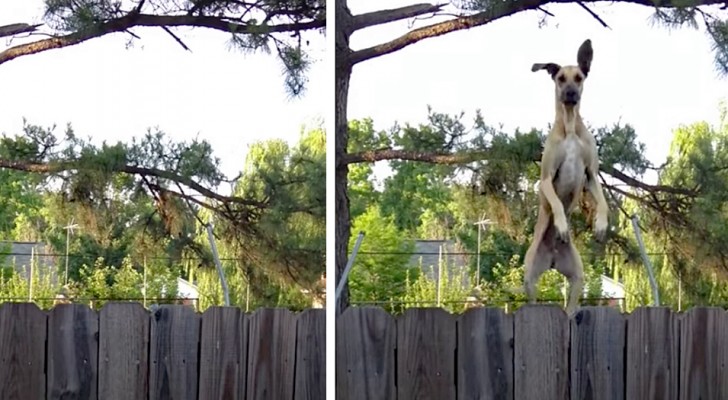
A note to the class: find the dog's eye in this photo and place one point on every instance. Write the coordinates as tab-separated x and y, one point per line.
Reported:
578	78
561	79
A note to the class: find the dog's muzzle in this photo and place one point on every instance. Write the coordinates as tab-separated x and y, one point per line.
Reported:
570	96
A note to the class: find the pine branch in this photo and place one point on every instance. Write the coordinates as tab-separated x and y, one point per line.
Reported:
500	10
62	166
428	157
135	19
472	156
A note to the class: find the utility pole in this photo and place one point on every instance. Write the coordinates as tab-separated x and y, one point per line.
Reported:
218	264
646	261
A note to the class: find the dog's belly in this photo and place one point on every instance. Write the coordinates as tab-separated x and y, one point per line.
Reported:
571	173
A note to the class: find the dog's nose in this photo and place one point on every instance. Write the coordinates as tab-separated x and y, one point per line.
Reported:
571	96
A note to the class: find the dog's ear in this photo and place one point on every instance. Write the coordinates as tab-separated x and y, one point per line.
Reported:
552	68
584	56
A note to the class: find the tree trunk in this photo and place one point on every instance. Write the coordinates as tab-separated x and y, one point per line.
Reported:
342	77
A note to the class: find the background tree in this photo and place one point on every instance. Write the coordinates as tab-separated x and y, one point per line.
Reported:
453	17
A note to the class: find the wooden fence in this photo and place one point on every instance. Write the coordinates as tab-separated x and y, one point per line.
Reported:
126	352
536	353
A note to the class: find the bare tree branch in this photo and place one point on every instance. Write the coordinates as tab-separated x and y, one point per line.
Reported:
16	29
176	38
593	14
385	16
134	19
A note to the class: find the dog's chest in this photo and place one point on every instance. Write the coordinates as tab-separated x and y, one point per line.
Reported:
571	173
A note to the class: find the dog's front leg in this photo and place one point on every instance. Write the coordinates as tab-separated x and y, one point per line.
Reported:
557	208
595	189
550	162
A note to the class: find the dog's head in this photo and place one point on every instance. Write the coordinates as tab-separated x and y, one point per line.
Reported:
569	79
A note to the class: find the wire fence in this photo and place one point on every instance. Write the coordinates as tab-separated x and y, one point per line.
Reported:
473	253
87	299
513	300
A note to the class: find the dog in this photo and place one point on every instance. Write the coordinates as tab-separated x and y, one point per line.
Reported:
569	164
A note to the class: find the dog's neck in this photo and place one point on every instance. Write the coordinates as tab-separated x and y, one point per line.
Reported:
569	117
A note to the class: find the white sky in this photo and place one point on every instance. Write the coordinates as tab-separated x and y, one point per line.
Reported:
112	93
645	75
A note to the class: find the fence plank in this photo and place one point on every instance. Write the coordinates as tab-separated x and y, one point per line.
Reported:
175	334
311	355
73	348
123	351
597	354
22	352
223	354
652	351
485	354
271	354
541	363
426	341
702	354
365	341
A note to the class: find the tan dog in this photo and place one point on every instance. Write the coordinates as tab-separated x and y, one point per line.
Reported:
569	163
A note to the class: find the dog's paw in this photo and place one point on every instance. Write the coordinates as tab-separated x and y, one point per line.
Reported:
600	227
571	310
562	228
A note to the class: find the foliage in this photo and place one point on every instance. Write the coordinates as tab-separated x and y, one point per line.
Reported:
150	198
15	285
422	290
380	276
363	137
103	283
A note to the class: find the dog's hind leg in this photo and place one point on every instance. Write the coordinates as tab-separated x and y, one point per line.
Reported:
538	257
568	262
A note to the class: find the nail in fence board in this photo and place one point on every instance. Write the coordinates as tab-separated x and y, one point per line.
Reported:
73	348
271	354
652	354
22	352
485	355
311	355
175	332
426	341
123	352
703	354
541	360
223	354
597	354
365	366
